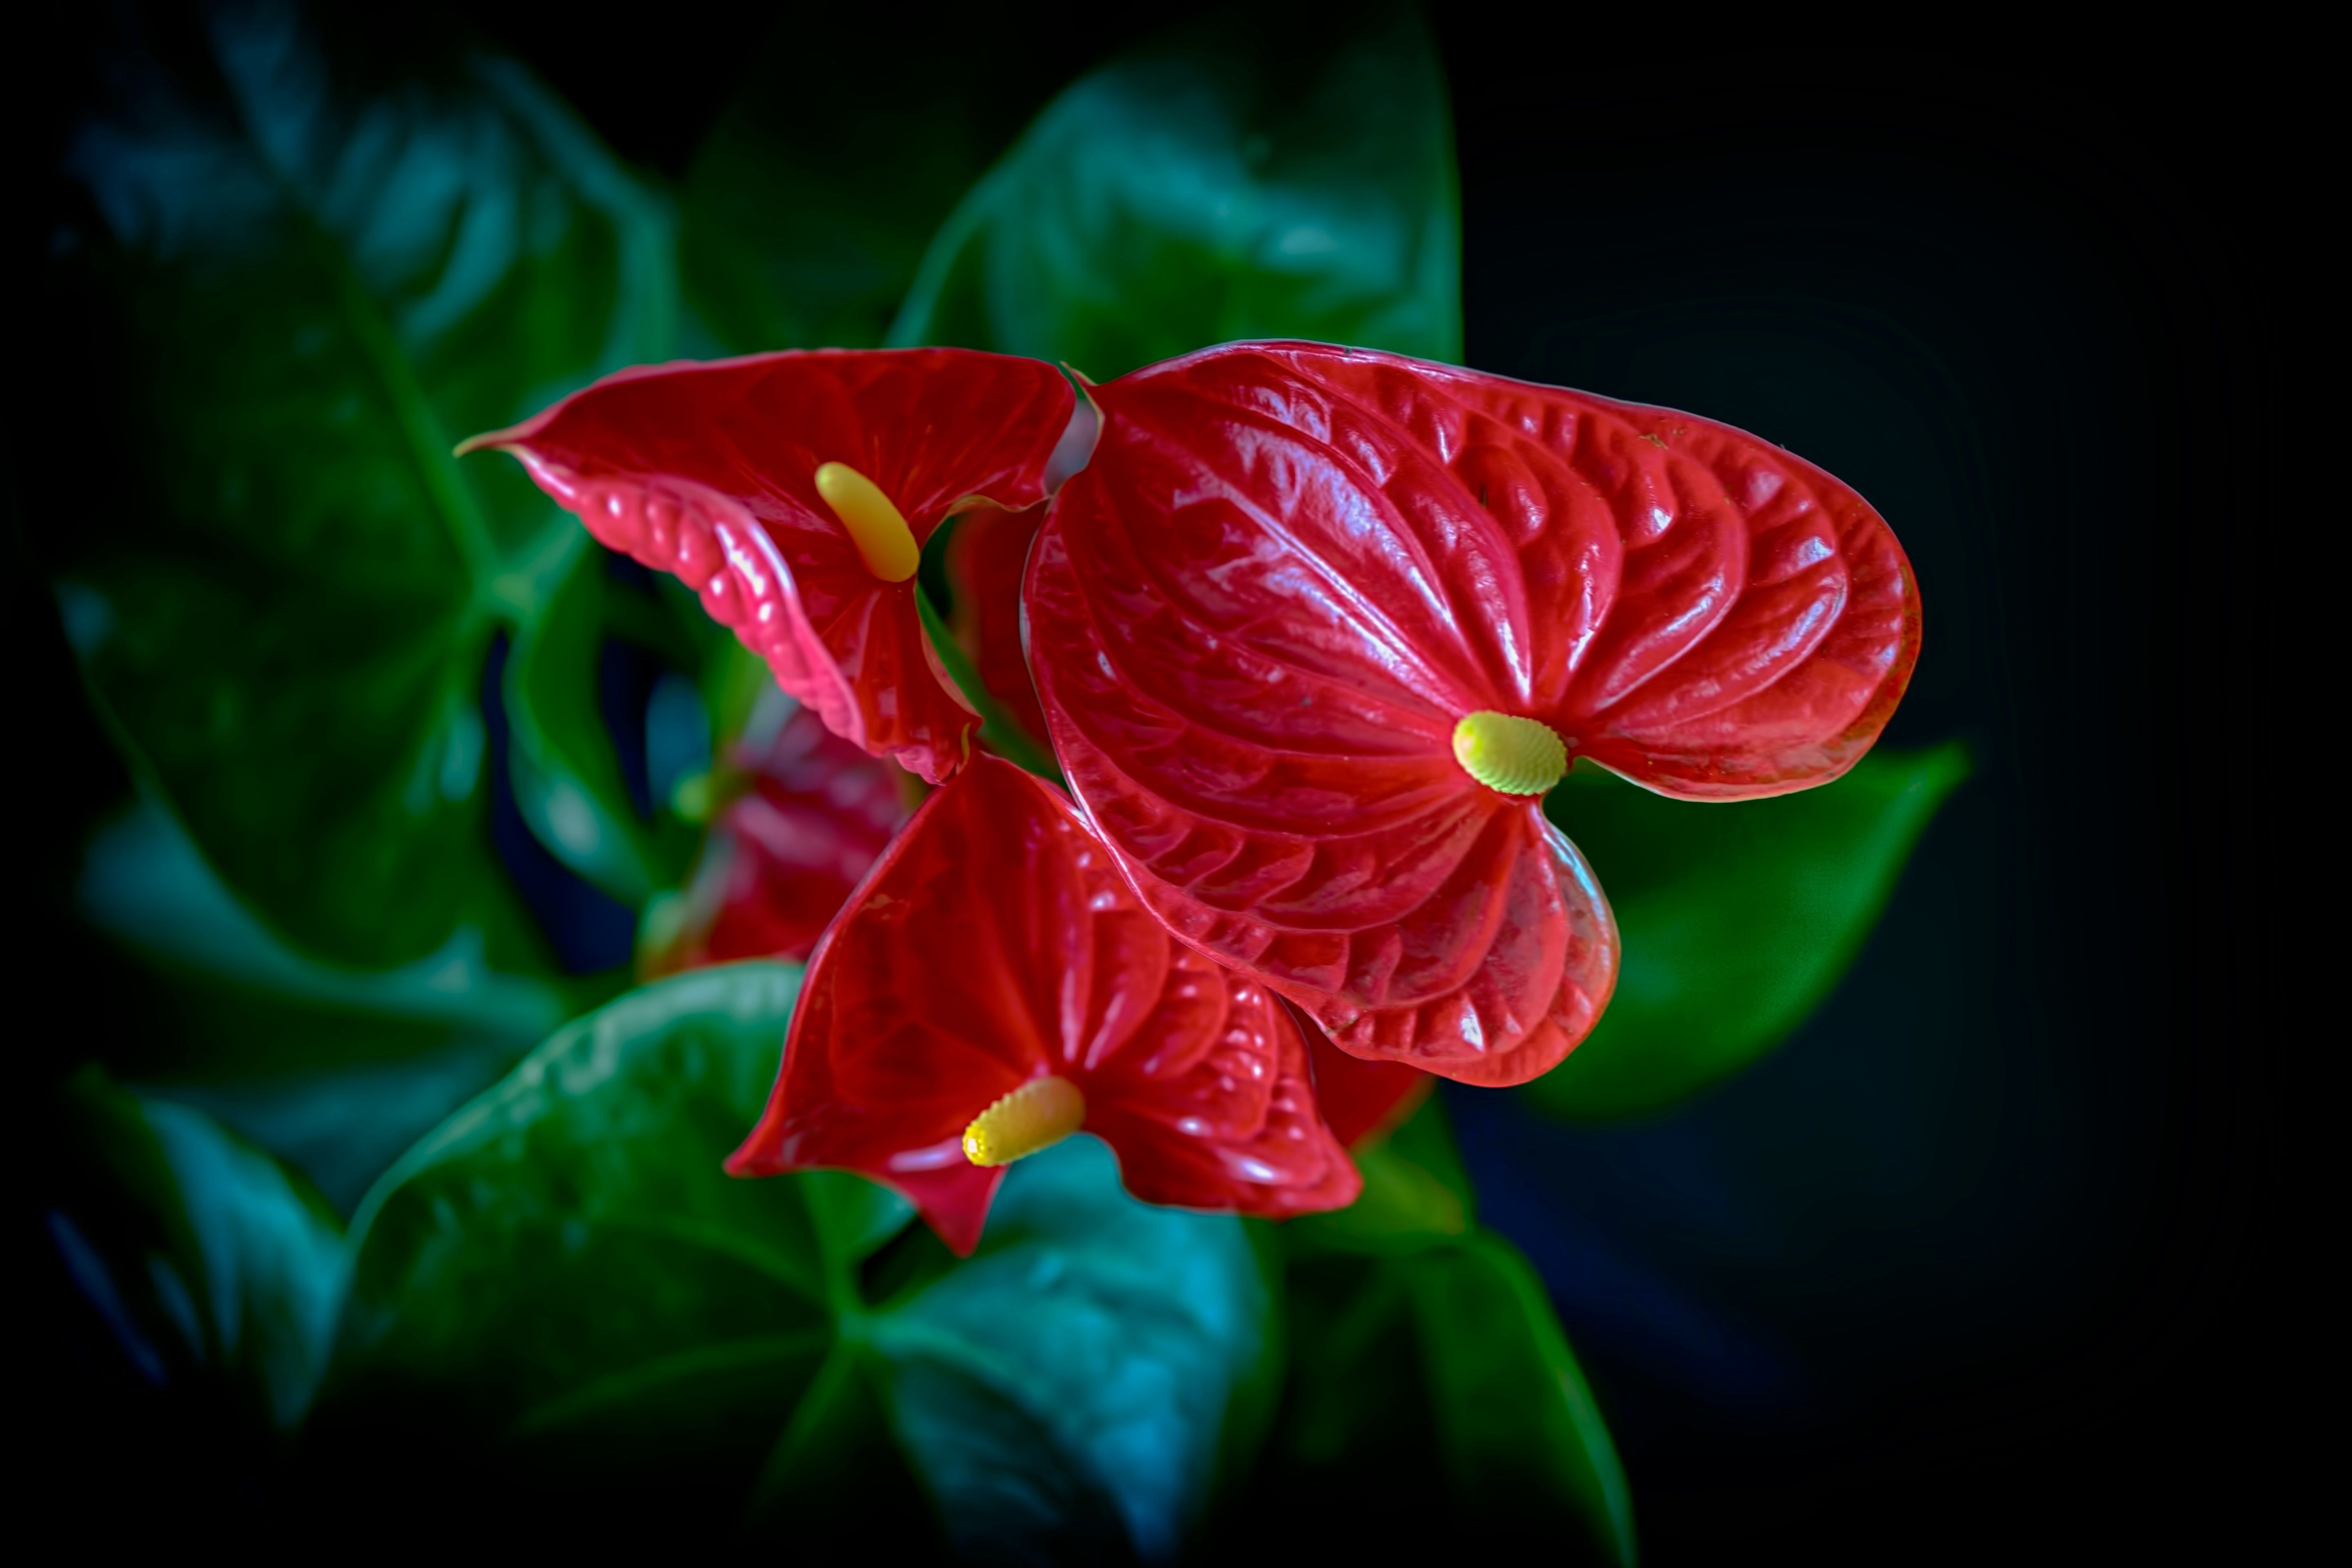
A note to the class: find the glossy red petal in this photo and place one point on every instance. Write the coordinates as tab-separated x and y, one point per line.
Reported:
785	855
1290	570
994	942
1714	617
709	471
1253	691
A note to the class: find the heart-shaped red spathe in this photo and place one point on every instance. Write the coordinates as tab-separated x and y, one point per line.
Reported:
1290	570
709	471
995	943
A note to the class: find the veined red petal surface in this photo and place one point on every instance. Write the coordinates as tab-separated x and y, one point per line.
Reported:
786	854
709	471
1290	571
994	944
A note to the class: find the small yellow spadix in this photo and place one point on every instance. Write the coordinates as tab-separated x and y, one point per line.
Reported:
1517	756
1037	1115
875	525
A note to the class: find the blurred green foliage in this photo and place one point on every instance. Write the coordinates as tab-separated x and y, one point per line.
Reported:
1736	920
1492	1399
1282	179
320	283
216	1267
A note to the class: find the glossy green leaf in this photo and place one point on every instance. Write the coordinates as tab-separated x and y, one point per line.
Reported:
1064	1390
335	1070
209	1261
305	278
1419	1339
1736	919
1265	176
563	1272
1524	1442
561	1282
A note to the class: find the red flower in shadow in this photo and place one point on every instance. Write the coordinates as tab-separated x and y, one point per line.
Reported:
783	856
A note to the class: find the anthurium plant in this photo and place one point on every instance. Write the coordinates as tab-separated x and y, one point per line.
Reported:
842	925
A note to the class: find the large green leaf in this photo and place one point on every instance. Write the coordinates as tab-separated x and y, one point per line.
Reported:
1523	1441
333	1070
1736	919
304	279
1421	1341
1267	175
560	1284
1066	1388
210	1263
561	1275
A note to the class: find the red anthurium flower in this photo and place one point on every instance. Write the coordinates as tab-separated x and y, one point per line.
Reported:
1317	629
995	987
794	491
813	815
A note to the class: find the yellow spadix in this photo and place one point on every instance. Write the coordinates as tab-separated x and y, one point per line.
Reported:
1517	756
875	525
1037	1115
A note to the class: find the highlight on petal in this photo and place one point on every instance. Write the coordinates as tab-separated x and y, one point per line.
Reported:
803	815
1259	617
711	472
995	949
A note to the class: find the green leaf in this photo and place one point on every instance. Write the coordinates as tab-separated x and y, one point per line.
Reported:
305	279
1065	1388
209	1261
1736	919
333	1070
563	1274
1418	1339
1522	1439
1264	176
560	1283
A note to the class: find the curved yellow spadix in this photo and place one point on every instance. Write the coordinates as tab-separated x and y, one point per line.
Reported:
875	524
1517	756
1037	1115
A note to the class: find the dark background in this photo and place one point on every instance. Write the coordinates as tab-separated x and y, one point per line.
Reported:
1977	1261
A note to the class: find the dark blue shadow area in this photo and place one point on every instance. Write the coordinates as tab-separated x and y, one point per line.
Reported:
626	678
589	928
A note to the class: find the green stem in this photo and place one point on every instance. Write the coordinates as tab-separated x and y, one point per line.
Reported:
1007	739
